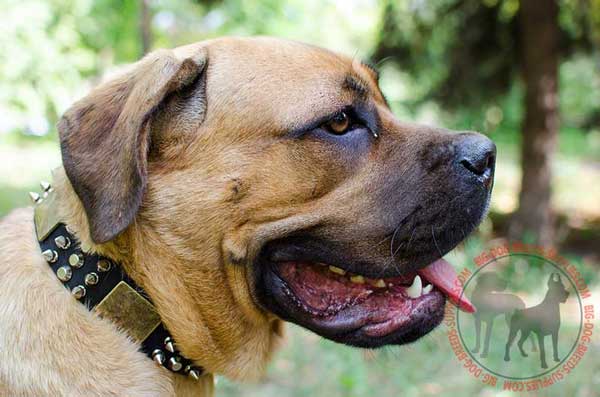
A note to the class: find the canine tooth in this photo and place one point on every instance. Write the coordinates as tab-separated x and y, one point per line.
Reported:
427	289
357	279
414	291
337	270
380	283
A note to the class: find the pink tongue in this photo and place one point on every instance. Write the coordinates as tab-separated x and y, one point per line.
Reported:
441	274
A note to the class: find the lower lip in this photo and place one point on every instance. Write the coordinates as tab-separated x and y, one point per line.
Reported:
379	330
346	322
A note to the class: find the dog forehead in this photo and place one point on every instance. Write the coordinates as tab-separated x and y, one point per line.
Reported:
274	55
289	82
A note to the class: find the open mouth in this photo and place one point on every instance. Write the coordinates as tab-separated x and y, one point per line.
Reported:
360	311
335	277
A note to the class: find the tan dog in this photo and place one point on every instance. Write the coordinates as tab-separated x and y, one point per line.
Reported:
221	176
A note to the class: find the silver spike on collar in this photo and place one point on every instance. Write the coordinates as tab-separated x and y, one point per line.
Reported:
104	287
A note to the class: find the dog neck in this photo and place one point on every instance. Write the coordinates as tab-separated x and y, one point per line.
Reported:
239	347
103	286
552	301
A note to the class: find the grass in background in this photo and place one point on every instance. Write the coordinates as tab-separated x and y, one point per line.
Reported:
311	366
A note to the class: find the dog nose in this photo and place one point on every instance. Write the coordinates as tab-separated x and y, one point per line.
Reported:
476	155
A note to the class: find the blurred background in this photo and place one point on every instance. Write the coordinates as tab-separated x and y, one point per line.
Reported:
526	73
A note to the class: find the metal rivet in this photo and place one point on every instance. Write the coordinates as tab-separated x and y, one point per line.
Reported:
69	229
76	260
62	242
45	186
103	265
78	291
169	345
158	356
91	278
174	364
50	256
35	197
64	273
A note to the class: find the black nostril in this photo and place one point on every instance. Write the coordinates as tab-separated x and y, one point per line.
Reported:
479	166
476	153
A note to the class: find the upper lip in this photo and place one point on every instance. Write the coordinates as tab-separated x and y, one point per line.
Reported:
348	264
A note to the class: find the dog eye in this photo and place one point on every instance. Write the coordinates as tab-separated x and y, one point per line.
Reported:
340	124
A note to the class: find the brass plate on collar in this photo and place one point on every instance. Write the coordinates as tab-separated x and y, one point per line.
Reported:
45	217
130	311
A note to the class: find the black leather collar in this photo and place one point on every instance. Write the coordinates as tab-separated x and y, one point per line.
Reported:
103	286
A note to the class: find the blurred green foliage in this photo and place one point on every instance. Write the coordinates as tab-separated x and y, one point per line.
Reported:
454	47
53	51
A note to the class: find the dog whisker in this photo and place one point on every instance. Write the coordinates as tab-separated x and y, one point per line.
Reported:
384	239
392	253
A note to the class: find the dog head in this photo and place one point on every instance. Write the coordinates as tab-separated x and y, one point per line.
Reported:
258	179
556	289
490	282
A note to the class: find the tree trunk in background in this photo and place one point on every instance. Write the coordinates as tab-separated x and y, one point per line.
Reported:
539	42
145	26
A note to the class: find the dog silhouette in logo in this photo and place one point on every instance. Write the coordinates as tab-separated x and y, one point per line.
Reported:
543	319
490	302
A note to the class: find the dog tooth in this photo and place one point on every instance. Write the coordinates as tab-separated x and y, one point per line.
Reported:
337	270
357	279
414	291
427	289
380	283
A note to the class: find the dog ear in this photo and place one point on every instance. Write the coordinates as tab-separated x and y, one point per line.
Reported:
556	278
105	138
